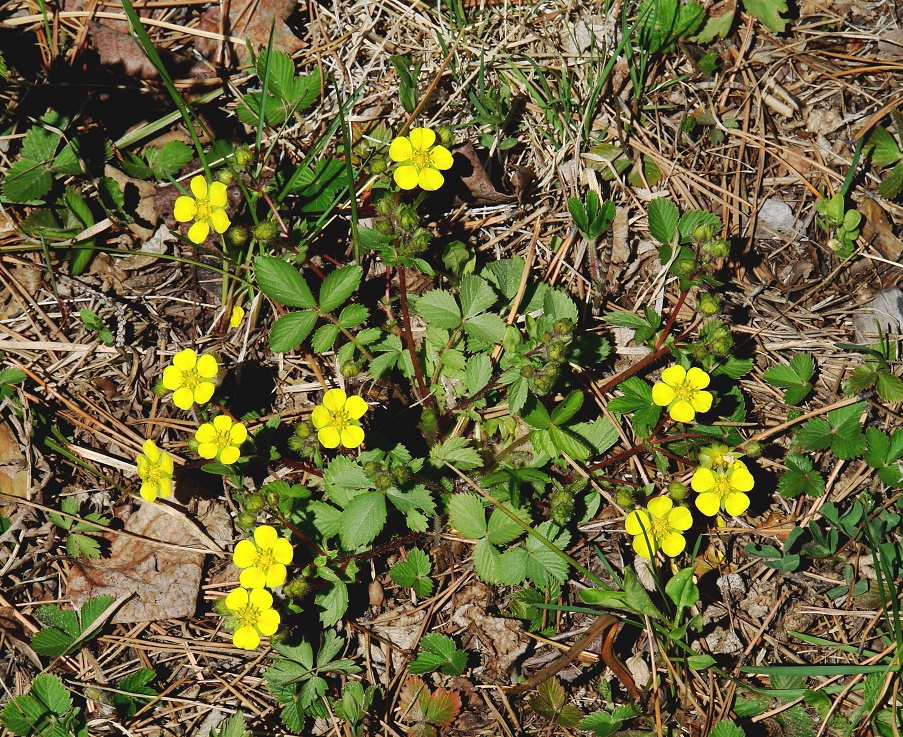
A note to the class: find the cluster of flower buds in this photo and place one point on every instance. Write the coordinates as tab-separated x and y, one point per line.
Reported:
553	353
715	339
385	475
400	220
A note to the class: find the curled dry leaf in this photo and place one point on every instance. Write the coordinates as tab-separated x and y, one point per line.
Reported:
250	19
877	231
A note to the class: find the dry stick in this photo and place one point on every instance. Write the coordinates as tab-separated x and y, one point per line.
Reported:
432	87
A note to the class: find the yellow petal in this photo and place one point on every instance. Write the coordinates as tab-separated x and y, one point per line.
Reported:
198	232
219	196
430	180
355	406
205	433
172	378
245	554
238	434
352	436
736	504
406	177
203	391
320	417
674	375
329	437
222	423
680	518
708	504
276	575
260	599
701	401
185	360
641	547
442	158
400	149
207	366
334	400
282	551
246	638
185	209
697	378
265	537
662	394
237	599
238	314
165	488
199	187
682	411
422	138
165	463
741	478
252	578
151	451
229	455
703	480
660	506
637	521
268	622
673	544
183	398
148	491
219	220
208	451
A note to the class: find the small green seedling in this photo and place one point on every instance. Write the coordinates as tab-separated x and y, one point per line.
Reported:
840	224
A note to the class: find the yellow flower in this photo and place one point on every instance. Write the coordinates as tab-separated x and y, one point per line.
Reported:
718	457
722	489
189	378
206	208
220	439
659	527
337	418
155	471
255	614
419	161
264	560
238	314
681	392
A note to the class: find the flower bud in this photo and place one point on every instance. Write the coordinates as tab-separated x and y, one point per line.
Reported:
429	421
254	503
297	588
265	230
246	520
624	497
350	369
408	219
677	490
243	157
237	236
703	232
225	176
722	345
371	468
721	248
378	165
296	444
383	226
753	448
385	206
686	266
445	135
556	351
219	606
562	506
421	239
272	498
709	304
527	370
543	383
304	429
402	474
383	482
563	327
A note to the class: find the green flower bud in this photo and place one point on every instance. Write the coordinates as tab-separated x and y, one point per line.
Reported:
254	503
686	266
272	498
527	371
243	157
385	206
709	304
556	351
297	588
624	497
753	448
296	444
562	507
383	482
721	248
429	421
237	236
304	429
192	444
408	219
677	490
219	606
371	468
246	520
350	369
563	327
420	241
225	176
546	337
383	226
402	474
378	165
445	135
703	233
265	230
543	383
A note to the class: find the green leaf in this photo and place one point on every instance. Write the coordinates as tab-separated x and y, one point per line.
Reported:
39	143
63	619
51	642
291	330
542	563
889	387
682	590
637	598
486	328
663	217
467	515
362	520
476	296
602	724
882	147
414	573
439	653
800	478
168	160
625	320
93	608
840	431
50	691
353	315
339	286
234	726
333	603
893	182
567	408
725	728
439	309
82	545
324	338
26	181
549	698
477	372
700	662
798	371
457	452
283	283
769	12
501	529
22	715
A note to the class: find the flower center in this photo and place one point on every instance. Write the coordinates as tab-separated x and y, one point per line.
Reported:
684	391
660	529
191	378
722	486
264	559
248	615
421	160
153	474
223	439
203	211
340	419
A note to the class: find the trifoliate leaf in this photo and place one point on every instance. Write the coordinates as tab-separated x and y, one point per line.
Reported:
438	652
457	452
511	567
800	478
414	573
840	431
168	160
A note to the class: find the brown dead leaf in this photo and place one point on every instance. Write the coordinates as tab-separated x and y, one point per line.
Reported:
478	188
119	49
164	580
139	201
14	471
250	19
877	231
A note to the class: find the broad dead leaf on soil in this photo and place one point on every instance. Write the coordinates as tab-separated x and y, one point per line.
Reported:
14	470
877	231
250	19
164	580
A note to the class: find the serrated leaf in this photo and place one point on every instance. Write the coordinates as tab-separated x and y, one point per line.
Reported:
501	529
51	642
324	338
602	724
663	217
333	602
439	653
889	387
689	221
339	286
549	698
283	283
63	619
362	520
882	147
291	330
506	275
26	181
81	545
625	320
22	714
726	729
543	564
769	12
476	296
467	515
168	160
234	726
50	691
457	452
800	478
893	182
439	309
40	144
477	372
353	315
486	328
